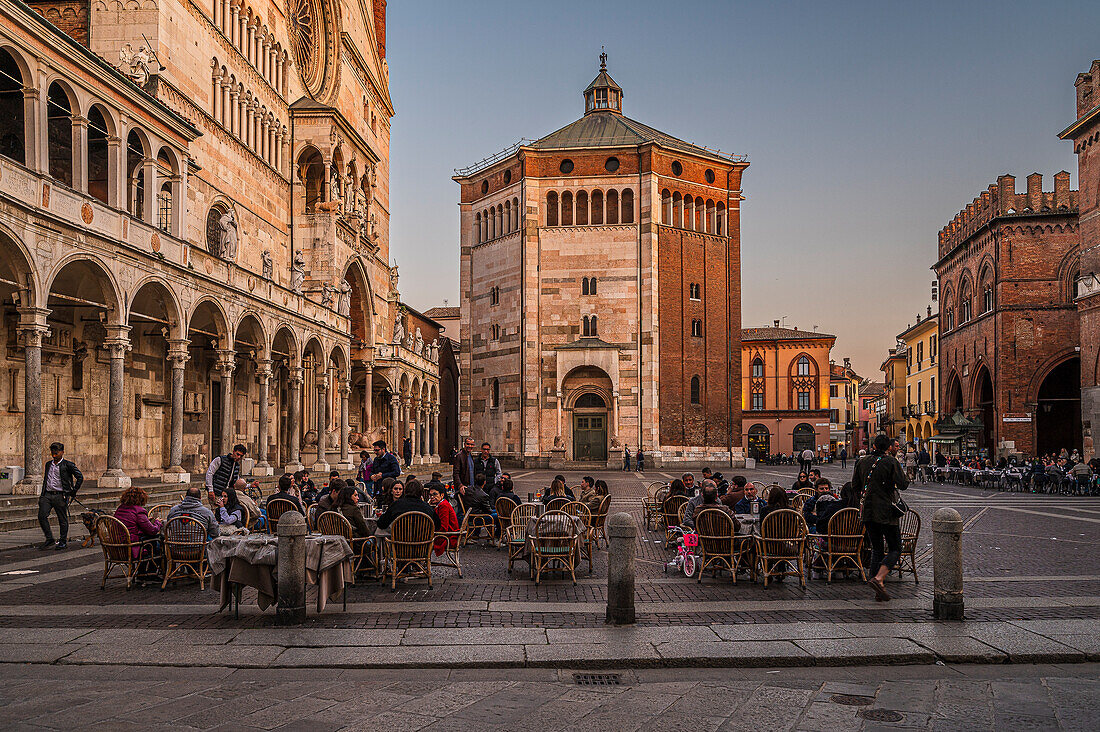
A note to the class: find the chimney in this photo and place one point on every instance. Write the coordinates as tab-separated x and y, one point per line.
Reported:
847	363
929	311
775	323
1007	185
1061	189
1035	191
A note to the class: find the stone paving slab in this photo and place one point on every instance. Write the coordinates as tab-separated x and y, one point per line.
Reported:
858	651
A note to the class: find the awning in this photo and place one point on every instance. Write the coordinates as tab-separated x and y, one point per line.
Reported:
944	439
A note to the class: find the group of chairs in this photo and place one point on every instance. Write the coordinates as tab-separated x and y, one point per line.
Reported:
180	551
783	545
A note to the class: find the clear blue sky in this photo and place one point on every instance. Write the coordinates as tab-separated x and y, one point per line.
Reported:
867	125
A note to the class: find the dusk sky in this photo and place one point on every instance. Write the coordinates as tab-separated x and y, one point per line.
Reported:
867	127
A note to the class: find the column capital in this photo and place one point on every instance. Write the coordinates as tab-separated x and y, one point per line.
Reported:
343	386
178	353
227	362
296	375
263	368
118	340
395	400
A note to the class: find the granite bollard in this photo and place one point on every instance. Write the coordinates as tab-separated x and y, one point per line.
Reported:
291	569
621	536
947	528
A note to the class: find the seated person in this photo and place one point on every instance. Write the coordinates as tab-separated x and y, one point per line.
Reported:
708	498
777	500
593	498
750	497
695	501
303	484
228	511
716	477
241	489
437	480
476	498
735	491
191	505
557	489
818	509
288	492
677	488
504	489
131	512
327	501
384	496
815	474
346	501
689	484
568	490
409	500
802	482
448	519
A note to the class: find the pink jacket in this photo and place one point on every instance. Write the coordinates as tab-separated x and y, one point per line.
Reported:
137	523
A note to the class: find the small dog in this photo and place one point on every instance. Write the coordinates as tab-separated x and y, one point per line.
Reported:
89	518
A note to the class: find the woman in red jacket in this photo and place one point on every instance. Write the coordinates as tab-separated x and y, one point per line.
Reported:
131	512
448	519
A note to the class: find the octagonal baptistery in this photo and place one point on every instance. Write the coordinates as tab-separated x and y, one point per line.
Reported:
601	294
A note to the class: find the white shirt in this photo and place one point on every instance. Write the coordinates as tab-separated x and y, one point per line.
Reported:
53	476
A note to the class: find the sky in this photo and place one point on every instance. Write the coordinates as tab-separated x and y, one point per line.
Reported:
868	126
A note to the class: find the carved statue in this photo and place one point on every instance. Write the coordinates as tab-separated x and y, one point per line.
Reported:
559	443
418	348
269	265
410	341
227	235
297	272
398	330
335	186
135	64
343	305
328	292
394	276
433	351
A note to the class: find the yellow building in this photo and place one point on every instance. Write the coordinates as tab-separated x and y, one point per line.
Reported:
891	419
921	351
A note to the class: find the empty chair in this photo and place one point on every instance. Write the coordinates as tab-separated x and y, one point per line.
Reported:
909	524
554	545
842	545
185	550
276	507
781	546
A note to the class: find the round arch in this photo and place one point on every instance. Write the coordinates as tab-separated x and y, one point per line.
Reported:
153	293
209	318
759	440
803	437
251	327
361	305
16	265
80	278
284	345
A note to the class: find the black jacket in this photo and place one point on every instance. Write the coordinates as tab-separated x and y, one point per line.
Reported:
405	504
70	476
880	476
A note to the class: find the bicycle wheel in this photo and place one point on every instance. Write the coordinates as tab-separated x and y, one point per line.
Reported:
689	565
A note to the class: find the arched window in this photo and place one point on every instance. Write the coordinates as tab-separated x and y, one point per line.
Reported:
803	366
757	368
584	285
582	208
494	295
494	395
697	328
589	287
689	212
494	332
135	174
965	297
515	214
627	206
720	219
677	210
98	159
501	221
566	209
589	327
666	207
166	175
987	298
597	208
59	123
694	291
712	227
508	217
803	399
13	129
695	389
311	170
477	227
612	207
551	209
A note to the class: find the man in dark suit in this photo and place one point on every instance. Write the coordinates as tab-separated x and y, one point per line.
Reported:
61	479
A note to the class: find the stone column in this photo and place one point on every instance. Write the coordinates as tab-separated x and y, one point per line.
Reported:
435	452
177	357
423	431
344	389
32	329
395	436
227	364
290	560
294	418
947	568
368	401
263	374
79	155
322	466
414	423
116	176
118	343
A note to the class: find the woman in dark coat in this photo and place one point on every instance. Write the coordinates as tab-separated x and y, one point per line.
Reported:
881	477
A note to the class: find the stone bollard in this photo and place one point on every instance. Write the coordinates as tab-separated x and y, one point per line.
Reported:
291	568
621	535
947	528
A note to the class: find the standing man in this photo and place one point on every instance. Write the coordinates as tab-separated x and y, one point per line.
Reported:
626	458
463	471
805	460
224	471
878	477
384	465
487	465
844	458
407	451
61	479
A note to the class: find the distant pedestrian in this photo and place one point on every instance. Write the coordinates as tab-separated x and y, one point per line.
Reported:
626	458
639	460
843	458
805	460
61	479
407	451
878	477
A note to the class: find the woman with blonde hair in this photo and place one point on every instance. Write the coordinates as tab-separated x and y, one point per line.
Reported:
556	490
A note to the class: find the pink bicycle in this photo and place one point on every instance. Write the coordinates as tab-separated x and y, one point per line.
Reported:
686	543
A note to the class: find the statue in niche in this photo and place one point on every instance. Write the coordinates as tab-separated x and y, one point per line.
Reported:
80	352
343	304
335	186
327	294
394	277
297	272
433	351
398	330
418	344
269	265
227	230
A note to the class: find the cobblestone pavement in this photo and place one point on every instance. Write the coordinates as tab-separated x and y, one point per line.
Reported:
869	698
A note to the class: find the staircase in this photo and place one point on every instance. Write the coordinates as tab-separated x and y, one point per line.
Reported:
21	511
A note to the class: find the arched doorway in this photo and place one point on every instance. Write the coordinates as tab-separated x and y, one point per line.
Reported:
590	428
760	442
953	397
983	402
1058	409
803	438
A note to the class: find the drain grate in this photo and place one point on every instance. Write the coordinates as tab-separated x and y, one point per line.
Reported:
880	715
597	679
851	700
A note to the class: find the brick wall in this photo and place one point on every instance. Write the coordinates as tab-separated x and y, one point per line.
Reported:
70	16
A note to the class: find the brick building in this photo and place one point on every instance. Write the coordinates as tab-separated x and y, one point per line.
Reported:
1085	134
601	288
1007	267
785	390
870	393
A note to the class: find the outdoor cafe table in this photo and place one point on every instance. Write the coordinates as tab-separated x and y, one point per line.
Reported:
250	560
530	532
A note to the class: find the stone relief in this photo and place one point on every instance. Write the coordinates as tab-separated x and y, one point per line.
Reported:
297	272
343	304
399	329
135	64
269	265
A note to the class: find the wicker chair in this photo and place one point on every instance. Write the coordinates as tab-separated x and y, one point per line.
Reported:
798	500
159	512
504	507
333	523
409	548
719	546
254	492
599	521
475	521
311	518
517	531
556	504
276	507
843	544
910	533
782	543
185	550
554	542
118	550
576	509
670	516
651	505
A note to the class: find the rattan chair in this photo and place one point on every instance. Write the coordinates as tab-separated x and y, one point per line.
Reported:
504	507
842	545
910	533
797	501
118	550
311	518
452	549
516	539
599	521
475	521
651	505
719	546
554	542
159	512
670	516
254	492
185	550
781	546
276	507
576	509
409	547
333	523
556	504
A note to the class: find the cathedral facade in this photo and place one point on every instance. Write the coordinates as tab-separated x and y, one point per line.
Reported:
194	251
601	294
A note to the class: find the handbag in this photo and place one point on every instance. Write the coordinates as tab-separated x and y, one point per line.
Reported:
898	507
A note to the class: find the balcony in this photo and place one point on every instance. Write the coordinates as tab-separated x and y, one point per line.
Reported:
930	407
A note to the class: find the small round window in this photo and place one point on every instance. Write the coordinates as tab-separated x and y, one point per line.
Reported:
484	187
677	169
566	166
709	175
611	165
507	177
